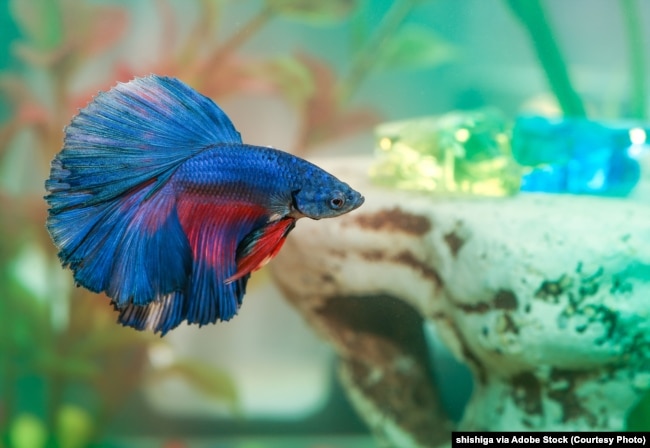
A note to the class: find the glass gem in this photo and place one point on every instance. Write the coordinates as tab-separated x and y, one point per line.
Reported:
459	152
578	156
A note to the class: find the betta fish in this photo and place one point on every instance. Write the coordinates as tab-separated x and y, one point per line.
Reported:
155	201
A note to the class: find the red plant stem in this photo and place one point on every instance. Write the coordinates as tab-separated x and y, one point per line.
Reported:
235	41
201	33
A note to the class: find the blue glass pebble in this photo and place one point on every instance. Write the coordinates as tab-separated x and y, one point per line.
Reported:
577	156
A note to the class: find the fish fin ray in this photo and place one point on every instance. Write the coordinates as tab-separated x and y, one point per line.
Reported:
214	230
260	246
160	315
131	248
135	132
112	212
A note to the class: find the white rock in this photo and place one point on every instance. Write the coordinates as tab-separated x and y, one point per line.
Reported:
546	297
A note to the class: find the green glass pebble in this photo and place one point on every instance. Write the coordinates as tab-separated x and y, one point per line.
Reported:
456	153
27	431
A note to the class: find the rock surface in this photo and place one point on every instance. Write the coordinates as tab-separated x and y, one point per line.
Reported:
545	297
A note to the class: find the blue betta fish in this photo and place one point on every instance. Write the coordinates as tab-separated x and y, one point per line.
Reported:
155	200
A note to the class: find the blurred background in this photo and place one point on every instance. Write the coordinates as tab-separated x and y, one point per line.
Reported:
310	77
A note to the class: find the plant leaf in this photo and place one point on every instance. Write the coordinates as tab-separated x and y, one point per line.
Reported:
359	32
66	366
74	426
103	341
289	76
213	382
40	21
109	24
314	12
415	46
639	418
25	321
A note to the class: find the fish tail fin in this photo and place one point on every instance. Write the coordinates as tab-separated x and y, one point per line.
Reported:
113	212
168	311
161	315
132	249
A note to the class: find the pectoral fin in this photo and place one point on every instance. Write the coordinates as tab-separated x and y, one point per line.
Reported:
260	246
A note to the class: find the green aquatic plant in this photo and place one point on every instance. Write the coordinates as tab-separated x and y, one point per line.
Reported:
390	44
66	368
639	418
66	364
636	57
532	15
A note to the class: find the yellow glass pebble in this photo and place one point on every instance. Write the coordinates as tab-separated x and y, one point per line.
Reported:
459	152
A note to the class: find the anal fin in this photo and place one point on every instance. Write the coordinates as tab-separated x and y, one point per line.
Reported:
214	230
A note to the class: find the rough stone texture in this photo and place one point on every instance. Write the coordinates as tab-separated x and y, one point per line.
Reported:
384	366
546	298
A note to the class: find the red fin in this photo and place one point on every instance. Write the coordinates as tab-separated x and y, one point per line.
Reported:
213	229
260	246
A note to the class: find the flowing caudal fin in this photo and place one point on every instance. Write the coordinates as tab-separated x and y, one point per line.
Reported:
161	315
218	279
213	227
113	215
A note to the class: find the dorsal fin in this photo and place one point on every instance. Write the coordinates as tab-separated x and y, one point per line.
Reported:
137	132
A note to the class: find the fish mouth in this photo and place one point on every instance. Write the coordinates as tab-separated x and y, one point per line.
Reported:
358	202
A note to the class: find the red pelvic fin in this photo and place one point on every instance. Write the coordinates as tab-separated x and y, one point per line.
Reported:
260	246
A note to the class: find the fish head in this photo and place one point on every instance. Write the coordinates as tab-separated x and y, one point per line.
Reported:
324	196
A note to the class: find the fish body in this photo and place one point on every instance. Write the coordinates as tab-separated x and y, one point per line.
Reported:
155	200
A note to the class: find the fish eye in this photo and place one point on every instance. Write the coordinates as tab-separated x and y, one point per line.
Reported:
337	201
